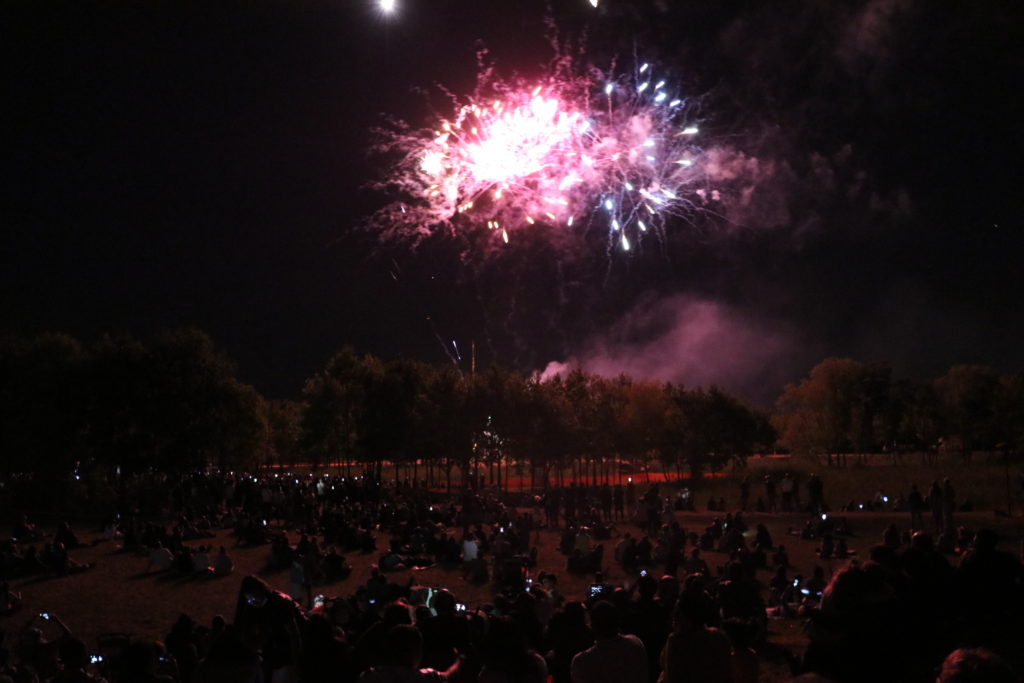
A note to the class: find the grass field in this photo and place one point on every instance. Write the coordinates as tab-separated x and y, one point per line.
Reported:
120	596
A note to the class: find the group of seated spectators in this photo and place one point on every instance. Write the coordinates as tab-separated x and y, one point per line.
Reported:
27	553
199	561
893	614
899	616
170	550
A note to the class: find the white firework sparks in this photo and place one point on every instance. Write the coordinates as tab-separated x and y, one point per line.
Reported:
622	150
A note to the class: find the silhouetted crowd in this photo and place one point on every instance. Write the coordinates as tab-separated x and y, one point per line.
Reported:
901	610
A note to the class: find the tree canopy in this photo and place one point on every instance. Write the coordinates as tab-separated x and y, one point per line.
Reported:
173	402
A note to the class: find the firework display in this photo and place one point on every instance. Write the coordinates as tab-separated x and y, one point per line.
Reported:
578	148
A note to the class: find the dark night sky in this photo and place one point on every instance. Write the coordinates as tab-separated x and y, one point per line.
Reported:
201	164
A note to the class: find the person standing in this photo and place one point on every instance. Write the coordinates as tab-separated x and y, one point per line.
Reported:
788	485
915	503
605	496
614	658
936	505
695	651
619	496
948	505
769	492
816	494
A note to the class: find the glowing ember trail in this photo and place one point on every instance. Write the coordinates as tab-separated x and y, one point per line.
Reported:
621	151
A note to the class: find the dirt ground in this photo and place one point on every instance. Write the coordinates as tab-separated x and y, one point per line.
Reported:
120	596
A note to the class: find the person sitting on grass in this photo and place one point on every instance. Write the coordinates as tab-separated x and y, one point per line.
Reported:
281	553
65	535
32	562
201	562
74	663
779	585
33	648
816	584
161	557
183	560
112	530
223	564
695	564
780	558
10	601
24	530
61	563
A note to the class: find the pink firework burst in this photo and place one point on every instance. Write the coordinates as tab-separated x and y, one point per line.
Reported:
574	149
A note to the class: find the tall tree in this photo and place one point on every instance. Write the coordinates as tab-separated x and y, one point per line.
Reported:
197	412
967	398
443	431
334	403
833	411
391	392
43	398
284	430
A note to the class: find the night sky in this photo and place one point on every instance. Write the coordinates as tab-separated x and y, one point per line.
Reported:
205	164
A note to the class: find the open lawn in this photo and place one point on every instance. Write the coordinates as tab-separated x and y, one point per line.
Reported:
120	596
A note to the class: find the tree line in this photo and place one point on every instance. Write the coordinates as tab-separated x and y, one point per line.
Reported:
849	407
173	403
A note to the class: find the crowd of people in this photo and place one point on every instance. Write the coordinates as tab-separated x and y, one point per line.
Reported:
28	553
900	610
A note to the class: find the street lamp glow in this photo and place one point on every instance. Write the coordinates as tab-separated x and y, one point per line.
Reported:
387	6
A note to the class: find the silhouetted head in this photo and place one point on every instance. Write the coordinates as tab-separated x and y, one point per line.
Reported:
975	665
694	610
405	646
444	601
604	619
397	613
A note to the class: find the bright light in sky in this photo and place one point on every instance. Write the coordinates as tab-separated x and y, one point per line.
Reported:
530	156
593	3
387	6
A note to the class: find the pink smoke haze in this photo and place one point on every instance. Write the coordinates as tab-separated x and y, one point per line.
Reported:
692	342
